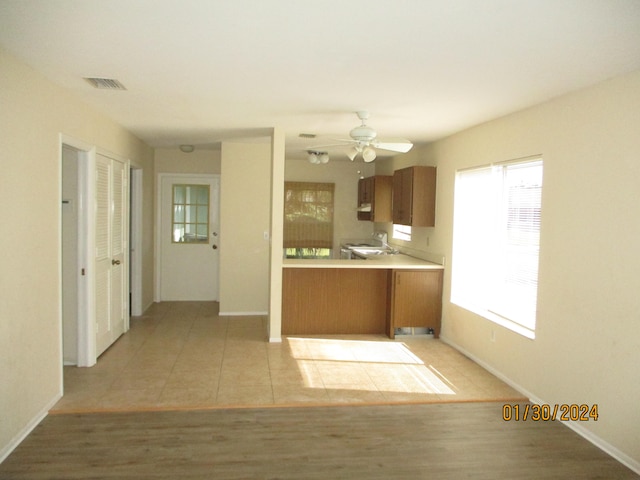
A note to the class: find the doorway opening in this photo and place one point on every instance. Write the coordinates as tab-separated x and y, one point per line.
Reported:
74	232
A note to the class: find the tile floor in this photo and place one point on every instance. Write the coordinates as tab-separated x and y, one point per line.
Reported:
184	355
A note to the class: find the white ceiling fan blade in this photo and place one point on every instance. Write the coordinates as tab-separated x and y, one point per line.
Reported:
400	145
333	143
330	145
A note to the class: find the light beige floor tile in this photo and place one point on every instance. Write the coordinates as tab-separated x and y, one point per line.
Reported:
344	395
123	399
187	397
287	394
408	379
343	373
245	395
192	380
198	363
410	397
304	375
140	381
83	400
183	352
284	362
230	377
247	352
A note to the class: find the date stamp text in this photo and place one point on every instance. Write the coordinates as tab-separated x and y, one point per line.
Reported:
545	413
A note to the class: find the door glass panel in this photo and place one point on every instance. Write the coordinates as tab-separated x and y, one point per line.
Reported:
203	214
203	195
190	214
201	231
178	194
178	213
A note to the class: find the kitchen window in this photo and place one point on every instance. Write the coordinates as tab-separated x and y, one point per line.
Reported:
308	219
496	237
402	232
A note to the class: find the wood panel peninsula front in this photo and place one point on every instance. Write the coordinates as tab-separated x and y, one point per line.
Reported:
334	297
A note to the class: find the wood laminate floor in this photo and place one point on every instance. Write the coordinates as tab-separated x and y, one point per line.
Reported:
185	355
431	441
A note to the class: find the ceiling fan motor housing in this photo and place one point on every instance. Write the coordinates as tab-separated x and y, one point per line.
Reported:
363	134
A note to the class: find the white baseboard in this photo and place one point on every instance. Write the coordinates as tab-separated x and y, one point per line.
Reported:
603	445
147	306
28	428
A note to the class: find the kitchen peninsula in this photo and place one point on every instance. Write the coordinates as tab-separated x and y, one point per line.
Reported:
372	296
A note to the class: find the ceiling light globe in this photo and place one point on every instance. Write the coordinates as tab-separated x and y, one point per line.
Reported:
368	154
323	158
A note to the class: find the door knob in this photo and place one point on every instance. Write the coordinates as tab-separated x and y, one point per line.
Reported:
115	262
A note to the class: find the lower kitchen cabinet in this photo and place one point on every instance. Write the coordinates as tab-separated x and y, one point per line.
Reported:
335	301
318	301
415	300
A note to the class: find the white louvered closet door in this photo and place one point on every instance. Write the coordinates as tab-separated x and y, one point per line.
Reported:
111	246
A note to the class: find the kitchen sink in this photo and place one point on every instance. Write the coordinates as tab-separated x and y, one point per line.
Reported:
374	251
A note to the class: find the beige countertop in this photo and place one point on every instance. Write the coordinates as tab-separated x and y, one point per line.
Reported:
399	261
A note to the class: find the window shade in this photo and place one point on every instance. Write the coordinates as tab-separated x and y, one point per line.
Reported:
308	215
496	240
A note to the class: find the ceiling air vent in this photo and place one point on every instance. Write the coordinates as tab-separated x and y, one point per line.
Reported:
106	83
307	135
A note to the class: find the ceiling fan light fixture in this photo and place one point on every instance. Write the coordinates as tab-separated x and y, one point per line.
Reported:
368	154
317	157
352	153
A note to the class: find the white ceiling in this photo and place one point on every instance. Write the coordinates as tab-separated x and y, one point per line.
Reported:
199	71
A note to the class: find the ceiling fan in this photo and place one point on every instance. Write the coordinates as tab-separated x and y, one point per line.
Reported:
363	141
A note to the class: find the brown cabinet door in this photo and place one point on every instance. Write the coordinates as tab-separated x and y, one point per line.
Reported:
416	299
414	196
365	187
402	196
376	192
319	301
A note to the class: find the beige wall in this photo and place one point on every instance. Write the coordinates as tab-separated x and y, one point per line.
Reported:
172	160
33	115
587	345
345	176
245	198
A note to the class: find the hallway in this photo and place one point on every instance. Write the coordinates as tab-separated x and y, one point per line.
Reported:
183	355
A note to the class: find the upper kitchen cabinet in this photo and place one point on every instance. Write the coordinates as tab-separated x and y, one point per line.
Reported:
374	198
414	196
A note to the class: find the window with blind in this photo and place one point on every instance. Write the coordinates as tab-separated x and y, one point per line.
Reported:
308	219
496	242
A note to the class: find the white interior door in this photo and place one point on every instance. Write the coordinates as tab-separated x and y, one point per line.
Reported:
111	217
189	237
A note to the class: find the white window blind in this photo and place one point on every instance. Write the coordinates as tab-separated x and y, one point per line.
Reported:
496	242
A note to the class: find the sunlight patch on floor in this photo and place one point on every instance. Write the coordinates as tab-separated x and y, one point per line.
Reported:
365	365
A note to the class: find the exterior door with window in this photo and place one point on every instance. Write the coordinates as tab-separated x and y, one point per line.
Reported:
189	238
111	227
